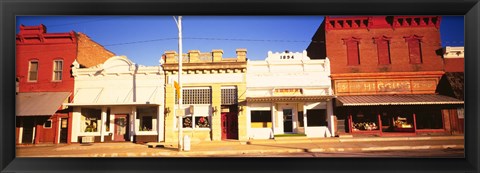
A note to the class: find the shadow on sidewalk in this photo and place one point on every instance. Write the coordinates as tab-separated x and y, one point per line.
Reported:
306	150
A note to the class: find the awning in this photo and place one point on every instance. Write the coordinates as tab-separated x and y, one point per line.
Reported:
290	98
143	95
39	103
379	100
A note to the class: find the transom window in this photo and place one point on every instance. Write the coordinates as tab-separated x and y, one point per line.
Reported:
229	96
57	70
196	96
33	71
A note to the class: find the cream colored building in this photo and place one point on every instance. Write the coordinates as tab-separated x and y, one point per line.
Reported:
213	93
118	101
288	93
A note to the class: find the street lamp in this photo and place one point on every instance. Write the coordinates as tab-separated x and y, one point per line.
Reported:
180	59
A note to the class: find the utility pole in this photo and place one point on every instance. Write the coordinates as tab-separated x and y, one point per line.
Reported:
180	59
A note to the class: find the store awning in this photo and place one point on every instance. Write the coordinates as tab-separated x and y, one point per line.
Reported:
39	103
290	99
380	100
116	96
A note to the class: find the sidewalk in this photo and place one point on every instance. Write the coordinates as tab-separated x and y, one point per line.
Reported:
238	148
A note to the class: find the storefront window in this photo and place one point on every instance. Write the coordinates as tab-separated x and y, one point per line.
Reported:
365	122
261	119
147	117
90	119
429	119
317	117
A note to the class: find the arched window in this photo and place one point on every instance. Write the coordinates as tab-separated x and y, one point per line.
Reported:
414	49
353	53
383	49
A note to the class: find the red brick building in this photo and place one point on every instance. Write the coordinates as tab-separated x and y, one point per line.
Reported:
44	80
385	71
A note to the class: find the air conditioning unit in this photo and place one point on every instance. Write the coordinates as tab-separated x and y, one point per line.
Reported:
87	139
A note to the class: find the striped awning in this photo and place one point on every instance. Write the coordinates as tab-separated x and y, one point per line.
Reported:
39	103
290	99
379	100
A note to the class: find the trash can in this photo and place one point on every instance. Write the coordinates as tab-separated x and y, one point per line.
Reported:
186	143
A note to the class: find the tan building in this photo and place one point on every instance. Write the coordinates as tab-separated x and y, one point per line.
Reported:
213	95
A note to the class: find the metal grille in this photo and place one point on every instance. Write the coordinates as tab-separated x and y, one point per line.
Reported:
229	96
196	96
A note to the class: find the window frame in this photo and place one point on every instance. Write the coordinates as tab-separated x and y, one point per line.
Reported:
348	42
30	68
418	39
51	124
382	40
54	70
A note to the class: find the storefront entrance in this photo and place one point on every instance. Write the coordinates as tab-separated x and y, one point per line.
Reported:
28	130
121	127
229	125
63	130
287	121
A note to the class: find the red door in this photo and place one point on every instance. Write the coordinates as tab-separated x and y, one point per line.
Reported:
229	126
224	125
121	128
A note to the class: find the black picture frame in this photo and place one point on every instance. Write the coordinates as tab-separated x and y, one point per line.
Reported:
10	9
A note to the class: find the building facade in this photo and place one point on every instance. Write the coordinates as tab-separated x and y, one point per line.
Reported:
452	84
118	101
288	93
44	81
213	95
385	71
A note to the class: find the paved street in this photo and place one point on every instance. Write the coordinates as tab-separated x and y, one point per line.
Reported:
449	146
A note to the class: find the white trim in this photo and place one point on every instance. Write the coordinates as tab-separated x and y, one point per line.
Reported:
20	134
59	122
29	67
53	71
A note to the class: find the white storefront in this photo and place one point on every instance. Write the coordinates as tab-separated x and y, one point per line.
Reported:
118	101
288	93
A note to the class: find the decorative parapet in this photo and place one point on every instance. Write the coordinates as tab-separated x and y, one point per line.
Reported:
454	52
368	22
117	65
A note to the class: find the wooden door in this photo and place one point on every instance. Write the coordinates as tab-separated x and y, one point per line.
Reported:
224	125
28	130
63	130
232	125
121	128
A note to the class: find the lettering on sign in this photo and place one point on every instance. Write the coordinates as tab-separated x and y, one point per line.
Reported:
393	86
288	91
424	85
342	87
362	86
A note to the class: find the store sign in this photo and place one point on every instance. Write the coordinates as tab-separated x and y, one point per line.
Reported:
91	118
385	86
287	91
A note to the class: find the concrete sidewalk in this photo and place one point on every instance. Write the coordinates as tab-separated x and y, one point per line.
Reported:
238	148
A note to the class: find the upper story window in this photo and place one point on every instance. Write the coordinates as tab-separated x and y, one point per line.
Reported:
33	71
414	49
383	49
353	53
57	70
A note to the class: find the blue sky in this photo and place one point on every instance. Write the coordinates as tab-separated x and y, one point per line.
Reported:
143	39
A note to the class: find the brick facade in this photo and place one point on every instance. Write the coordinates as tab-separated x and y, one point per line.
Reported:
35	44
